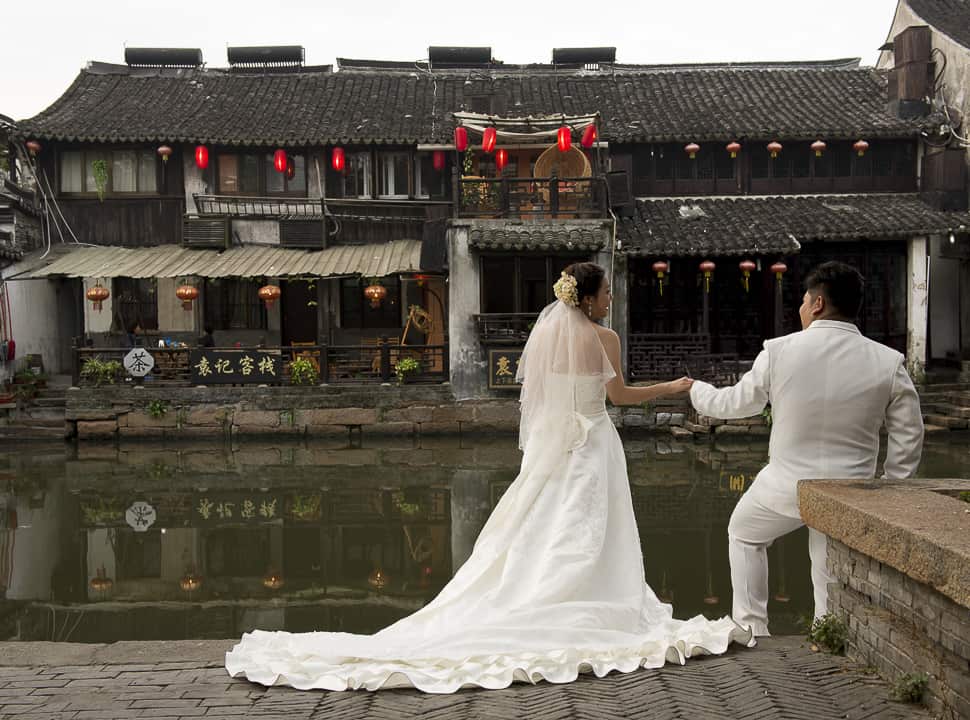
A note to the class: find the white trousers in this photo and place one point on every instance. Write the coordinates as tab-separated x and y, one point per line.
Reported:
753	527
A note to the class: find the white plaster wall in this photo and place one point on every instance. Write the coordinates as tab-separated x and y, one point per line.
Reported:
944	303
917	309
256	232
194	182
35	307
172	317
36	548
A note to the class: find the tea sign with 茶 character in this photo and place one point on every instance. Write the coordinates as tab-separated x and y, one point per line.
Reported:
139	362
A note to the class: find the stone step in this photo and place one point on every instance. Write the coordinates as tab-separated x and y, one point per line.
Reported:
46	422
23	432
945	387
945	421
931	429
50	402
949	409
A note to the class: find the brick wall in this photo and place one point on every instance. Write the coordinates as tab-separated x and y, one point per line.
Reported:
898	625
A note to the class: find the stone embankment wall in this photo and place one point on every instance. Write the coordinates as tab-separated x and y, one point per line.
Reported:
125	411
901	562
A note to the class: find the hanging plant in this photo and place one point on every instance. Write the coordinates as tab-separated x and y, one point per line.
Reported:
99	168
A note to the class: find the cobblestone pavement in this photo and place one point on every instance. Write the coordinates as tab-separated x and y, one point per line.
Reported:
781	679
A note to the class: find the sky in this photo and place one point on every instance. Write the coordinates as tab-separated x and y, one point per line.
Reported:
46	42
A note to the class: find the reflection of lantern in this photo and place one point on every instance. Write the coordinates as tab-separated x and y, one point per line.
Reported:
692	149
426	575
438	160
747	267
290	168
779	269
860	146
710	598
489	138
337	159
190	582
774	147
269	294
279	161
33	146
665	594
501	159
375	292
707	267
377	579
660	267
272	580
589	136
201	157
101	582
564	138
461	139
164	152
819	147
97	295
733	147
187	293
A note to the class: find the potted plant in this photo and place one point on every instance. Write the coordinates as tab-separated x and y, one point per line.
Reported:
303	371
100	372
406	367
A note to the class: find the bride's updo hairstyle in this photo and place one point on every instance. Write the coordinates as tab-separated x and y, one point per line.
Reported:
589	277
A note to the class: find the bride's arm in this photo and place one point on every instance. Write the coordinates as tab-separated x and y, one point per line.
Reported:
622	394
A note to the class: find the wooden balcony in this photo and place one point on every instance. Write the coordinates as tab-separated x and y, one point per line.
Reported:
533	198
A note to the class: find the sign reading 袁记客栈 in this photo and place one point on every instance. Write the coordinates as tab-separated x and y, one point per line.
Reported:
503	363
212	367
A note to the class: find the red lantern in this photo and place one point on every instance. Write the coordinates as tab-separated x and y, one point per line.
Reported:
774	147
860	146
692	149
201	157
279	161
375	293
164	152
747	267
779	269
97	295
438	160
501	159
733	147
337	159
707	267
33	146
819	147
589	136
564	138
290	168
660	267
489	138
461	139
187	293
269	294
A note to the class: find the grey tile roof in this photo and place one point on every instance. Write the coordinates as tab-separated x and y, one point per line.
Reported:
565	236
394	104
951	17
774	225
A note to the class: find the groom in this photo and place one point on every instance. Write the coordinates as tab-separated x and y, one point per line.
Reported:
831	390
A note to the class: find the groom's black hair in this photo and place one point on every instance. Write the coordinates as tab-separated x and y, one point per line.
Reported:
841	285
589	277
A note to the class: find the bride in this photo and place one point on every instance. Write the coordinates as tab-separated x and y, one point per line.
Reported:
555	585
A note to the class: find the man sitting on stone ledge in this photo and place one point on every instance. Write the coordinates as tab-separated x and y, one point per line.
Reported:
831	390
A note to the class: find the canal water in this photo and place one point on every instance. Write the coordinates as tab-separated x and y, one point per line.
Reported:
198	540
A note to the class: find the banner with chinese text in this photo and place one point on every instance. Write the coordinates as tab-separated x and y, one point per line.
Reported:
210	367
222	508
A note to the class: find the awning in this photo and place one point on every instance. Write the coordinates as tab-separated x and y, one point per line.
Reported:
171	261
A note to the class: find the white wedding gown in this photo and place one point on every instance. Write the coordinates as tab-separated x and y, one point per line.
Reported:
555	587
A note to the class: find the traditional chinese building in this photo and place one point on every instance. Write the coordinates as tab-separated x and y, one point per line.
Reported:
375	212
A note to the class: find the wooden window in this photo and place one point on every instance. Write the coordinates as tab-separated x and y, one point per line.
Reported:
521	283
233	304
882	159
356	178
393	175
129	171
760	163
356	311
137	303
663	157
277	183
138	554
841	154
428	182
238	173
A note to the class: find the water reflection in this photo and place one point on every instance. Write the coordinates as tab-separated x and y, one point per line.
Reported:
141	541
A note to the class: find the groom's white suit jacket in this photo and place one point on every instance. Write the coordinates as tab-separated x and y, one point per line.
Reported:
831	390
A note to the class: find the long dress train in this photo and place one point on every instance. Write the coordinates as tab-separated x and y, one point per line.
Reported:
555	587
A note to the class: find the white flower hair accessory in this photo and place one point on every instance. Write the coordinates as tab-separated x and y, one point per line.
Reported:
565	290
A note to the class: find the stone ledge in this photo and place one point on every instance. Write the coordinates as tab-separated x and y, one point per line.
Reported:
913	526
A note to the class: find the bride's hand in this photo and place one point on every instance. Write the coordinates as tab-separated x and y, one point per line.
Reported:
682	385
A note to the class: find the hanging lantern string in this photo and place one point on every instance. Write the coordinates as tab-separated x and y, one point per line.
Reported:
544	127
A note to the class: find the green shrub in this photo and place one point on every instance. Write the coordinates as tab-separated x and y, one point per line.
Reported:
404	367
304	372
101	372
910	688
157	408
830	633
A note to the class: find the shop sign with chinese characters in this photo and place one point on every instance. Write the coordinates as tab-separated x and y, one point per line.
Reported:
502	366
211	367
236	508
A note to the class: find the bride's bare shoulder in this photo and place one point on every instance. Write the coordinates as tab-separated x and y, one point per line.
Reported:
607	336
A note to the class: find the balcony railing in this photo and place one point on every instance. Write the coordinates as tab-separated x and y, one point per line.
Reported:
372	363
536	198
258	207
505	328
